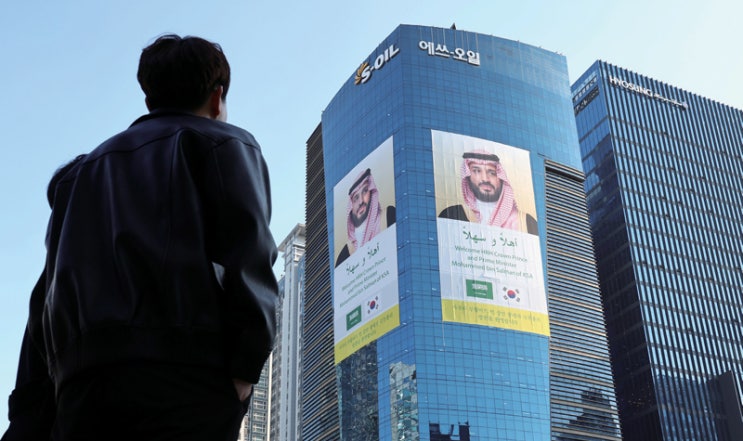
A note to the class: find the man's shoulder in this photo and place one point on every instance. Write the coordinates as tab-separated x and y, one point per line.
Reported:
456	212
343	255
164	123
218	130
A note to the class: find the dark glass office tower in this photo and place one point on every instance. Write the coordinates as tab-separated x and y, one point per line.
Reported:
465	303
663	179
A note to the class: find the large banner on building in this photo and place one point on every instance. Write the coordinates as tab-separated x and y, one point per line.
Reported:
365	290
489	250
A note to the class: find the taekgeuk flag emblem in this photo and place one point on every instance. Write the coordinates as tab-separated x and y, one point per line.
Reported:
372	305
511	294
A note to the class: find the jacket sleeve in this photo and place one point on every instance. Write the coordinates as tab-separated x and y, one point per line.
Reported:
243	252
31	408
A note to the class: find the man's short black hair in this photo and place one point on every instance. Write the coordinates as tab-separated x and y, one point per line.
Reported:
180	73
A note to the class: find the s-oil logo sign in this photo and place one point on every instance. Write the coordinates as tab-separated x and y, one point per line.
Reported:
364	72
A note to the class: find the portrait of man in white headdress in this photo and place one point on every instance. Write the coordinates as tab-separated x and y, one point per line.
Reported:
488	195
365	216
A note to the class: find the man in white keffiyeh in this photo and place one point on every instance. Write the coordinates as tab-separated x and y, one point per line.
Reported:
364	214
488	195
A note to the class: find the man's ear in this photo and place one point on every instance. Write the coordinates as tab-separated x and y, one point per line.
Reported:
216	105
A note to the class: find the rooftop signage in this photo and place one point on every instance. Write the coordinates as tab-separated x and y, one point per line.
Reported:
582	104
458	54
587	92
585	86
616	82
364	72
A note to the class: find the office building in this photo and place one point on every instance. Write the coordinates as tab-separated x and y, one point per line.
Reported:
275	406
320	419
663	182
255	425
286	377
445	327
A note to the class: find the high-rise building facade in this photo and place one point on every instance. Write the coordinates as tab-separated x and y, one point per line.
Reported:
256	422
663	181
255	425
465	304
319	390
275	406
286	376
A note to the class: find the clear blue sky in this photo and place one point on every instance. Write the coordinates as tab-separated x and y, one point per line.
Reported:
69	82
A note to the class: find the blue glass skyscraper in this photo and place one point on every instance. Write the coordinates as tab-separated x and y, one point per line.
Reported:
663	179
465	303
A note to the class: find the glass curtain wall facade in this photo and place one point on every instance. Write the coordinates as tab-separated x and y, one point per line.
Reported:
582	400
663	183
439	292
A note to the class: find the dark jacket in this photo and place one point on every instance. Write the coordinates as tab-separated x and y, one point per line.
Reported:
31	405
158	249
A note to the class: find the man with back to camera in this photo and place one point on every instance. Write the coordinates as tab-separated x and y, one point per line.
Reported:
488	195
158	311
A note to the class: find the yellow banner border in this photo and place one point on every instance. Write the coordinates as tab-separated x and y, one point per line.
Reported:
372	330
477	313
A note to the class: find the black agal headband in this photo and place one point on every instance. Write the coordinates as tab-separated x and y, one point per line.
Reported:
481	156
358	182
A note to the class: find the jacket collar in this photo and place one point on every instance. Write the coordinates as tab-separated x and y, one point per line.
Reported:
159	113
